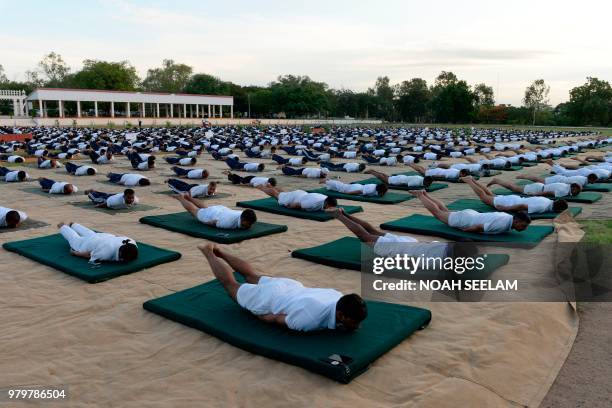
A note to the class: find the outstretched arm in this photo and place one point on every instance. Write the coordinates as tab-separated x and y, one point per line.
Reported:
274	319
474	228
85	255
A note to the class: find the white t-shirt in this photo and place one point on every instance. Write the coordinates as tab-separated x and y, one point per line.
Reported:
363	189
143	165
492	222
312	172
295	161
117	202
223	217
581	180
403	180
58	188
3	211
131	179
195	174
312	201
12	176
251	167
259	181
82	170
15	158
201	190
535	205
306	309
442	173
391	245
186	161
351	167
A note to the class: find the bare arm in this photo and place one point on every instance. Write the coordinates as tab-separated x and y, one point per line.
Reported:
101	205
474	228
85	255
274	319
518	207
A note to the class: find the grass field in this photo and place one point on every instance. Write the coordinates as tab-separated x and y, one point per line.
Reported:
597	231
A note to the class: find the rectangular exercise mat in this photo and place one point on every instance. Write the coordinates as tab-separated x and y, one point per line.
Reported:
374	180
271	205
388	198
208	308
185	223
88	205
346	253
587	197
428	225
54	251
477	205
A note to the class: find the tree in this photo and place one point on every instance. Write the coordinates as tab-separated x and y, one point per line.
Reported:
299	96
3	77
171	77
483	95
413	98
591	103
384	93
206	84
452	99
120	76
54	69
536	96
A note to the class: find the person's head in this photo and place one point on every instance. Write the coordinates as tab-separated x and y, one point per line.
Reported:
12	219
351	310
464	173
538	157
382	189
260	167
521	160
144	182
304	160
193	160
324	172
330	202
485	166
68	156
416	159
129	196
520	221
205	174
399	158
91	171
362	167
592	178
151	161
68	189
212	187
427	181
21	175
108	154
559	206
575	189
272	181
507	165
128	251
247	218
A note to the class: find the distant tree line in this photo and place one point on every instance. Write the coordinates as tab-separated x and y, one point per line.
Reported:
448	100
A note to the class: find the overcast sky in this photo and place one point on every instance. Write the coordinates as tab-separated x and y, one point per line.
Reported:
343	43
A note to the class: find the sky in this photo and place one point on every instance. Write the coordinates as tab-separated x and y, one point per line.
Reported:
346	44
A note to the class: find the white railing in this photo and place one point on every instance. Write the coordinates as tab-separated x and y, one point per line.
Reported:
11	94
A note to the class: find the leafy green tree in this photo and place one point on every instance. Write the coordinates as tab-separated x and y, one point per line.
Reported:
299	96
384	94
591	103
206	84
483	95
54	69
171	77
451	100
413	99
536	97
106	75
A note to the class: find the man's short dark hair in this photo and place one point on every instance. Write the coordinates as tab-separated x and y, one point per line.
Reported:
330	202
272	181
91	171
12	218
522	216
427	181
249	216
353	307
559	206
382	189
128	191
144	182
128	252
21	175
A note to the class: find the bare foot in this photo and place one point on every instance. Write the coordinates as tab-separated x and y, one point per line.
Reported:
86	192
464	178
416	193
207	249
334	212
492	182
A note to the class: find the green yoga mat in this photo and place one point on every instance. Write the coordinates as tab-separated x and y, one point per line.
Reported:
208	308
271	205
428	225
346	253
88	205
54	251
374	180
587	197
185	223
477	205
388	198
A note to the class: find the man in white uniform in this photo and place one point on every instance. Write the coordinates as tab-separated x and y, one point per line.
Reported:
473	221
440	173
77	170
513	203
194	190
190	173
128	179
555	190
98	246
10	218
402	179
12	176
580	180
217	216
57	187
282	301
120	201
300	199
253	181
306	172
378	190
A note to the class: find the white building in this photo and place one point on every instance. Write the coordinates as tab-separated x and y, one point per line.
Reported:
78	103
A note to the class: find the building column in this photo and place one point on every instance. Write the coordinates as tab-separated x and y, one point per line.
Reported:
220	111
214	113
127	110
112	109
78	109
40	109
157	109
197	110
171	110
209	111
184	110
96	109
60	109
143	110
232	111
